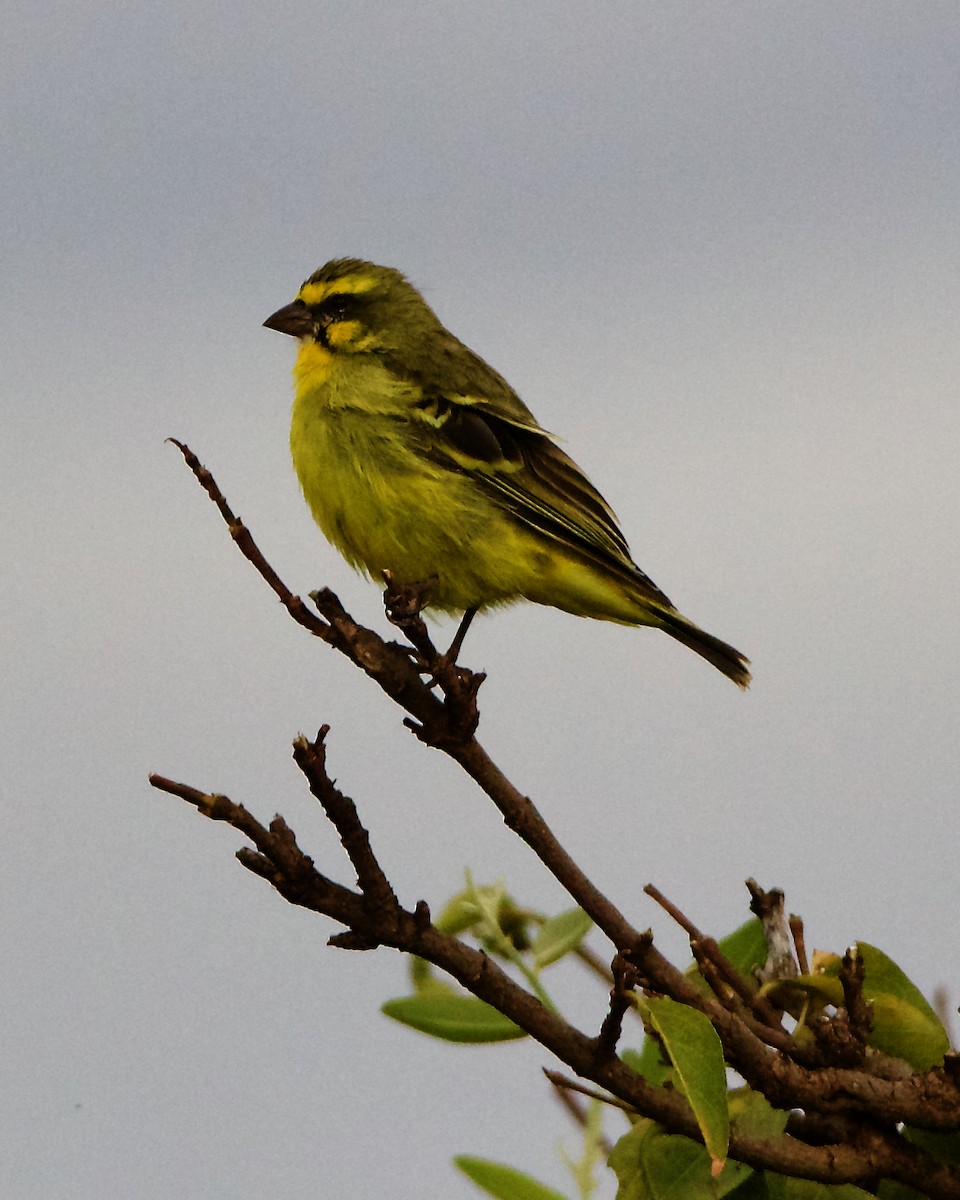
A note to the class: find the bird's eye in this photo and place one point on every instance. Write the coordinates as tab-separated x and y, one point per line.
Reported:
336	307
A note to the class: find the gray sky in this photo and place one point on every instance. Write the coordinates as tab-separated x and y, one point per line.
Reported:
714	246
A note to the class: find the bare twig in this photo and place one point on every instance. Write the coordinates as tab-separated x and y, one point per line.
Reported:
563	1084
858	1016
310	757
799	944
621	999
388	664
577	1112
594	963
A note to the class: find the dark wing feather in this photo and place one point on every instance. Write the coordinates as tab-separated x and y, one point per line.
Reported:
514	460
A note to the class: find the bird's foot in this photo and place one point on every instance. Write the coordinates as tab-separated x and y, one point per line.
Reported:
404	602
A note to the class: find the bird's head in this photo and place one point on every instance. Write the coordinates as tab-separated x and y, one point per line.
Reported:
353	307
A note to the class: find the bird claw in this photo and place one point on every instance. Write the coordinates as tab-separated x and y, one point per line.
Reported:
404	602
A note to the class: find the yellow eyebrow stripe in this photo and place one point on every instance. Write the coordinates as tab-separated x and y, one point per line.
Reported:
351	285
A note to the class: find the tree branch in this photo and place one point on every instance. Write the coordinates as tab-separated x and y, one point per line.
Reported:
856	1112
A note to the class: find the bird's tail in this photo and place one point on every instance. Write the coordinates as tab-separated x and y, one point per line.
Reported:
731	662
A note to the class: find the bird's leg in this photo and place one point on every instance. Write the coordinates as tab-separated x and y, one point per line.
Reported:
453	653
458	684
441	663
403	603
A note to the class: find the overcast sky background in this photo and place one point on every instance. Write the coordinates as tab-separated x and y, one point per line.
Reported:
714	247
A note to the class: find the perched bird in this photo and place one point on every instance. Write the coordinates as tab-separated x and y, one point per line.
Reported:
417	458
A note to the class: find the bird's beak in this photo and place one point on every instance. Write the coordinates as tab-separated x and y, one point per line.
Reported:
294	319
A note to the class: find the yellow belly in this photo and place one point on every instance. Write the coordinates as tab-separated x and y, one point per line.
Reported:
385	506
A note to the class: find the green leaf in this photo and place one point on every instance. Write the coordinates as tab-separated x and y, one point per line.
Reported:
903	1031
746	947
904	1024
944	1146
780	1187
649	1062
824	988
754	1187
697	1057
489	913
424	978
559	935
753	1116
504	1182
461	912
652	1164
453	1018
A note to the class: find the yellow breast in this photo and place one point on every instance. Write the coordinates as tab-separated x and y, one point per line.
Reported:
314	368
